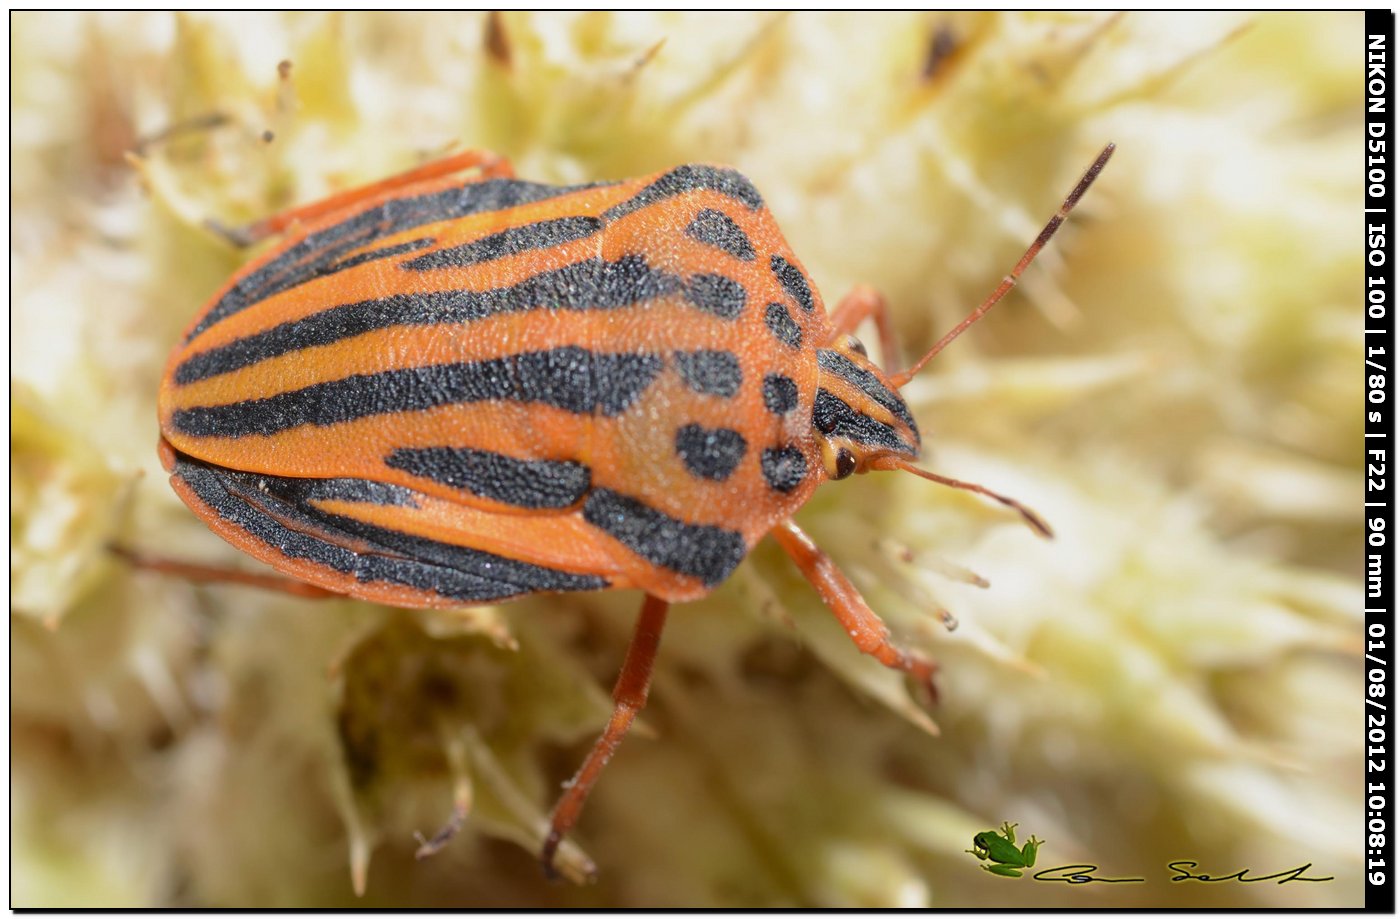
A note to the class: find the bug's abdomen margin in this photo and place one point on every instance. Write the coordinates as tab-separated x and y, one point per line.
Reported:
282	521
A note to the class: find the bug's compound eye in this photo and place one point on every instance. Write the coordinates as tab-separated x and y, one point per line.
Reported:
838	461
856	345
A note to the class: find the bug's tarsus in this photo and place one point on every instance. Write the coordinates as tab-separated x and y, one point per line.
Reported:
1032	519
866	629
430	847
629	696
461	803
1008	282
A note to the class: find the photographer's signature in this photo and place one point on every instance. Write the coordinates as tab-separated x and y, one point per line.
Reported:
1181	871
998	850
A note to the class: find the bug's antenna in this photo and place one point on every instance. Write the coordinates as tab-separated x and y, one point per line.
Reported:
1008	282
890	462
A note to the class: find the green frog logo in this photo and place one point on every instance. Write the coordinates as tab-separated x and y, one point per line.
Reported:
1000	849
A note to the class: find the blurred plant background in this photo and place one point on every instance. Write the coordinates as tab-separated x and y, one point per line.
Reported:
1176	676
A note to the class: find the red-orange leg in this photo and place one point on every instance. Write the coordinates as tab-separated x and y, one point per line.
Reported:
864	302
629	696
866	628
214	574
491	166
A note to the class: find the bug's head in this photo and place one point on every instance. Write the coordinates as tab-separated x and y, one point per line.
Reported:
859	415
862	422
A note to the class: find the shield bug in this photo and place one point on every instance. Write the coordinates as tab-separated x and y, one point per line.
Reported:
456	387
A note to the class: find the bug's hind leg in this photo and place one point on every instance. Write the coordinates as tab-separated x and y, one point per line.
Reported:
629	695
866	628
216	574
491	165
864	302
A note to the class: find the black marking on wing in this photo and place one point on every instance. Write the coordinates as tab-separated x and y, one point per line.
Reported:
710	453
360	491
706	552
684	179
782	325
571	378
784	468
716	294
533	484
592	284
543	234
793	281
717	229
711	373
841	366
246	500
374	255
779	393
324	249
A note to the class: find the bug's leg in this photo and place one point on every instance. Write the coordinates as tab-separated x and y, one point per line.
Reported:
454	746
866	628
491	166
629	695
864	302
214	574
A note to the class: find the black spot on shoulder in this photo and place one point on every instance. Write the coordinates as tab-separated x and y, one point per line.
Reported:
711	373
779	393
715	228
784	468
782	325
793	281
710	453
706	552
714	293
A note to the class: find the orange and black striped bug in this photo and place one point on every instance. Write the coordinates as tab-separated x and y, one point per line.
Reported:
454	387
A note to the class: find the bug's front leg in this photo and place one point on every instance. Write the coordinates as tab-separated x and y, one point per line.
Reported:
491	165
629	696
864	302
866	628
